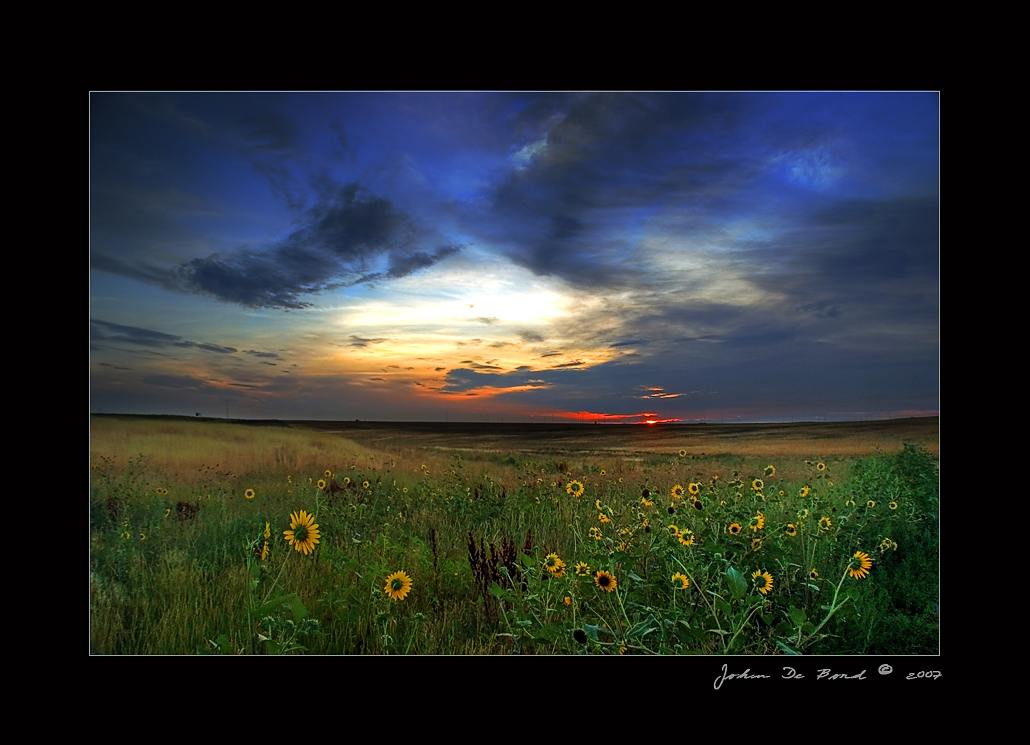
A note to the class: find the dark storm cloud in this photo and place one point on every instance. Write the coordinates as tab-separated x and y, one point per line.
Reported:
343	235
272	355
357	341
605	152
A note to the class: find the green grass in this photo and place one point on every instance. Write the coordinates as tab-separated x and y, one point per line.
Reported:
177	573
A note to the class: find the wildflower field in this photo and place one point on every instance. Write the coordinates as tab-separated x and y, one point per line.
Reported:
210	537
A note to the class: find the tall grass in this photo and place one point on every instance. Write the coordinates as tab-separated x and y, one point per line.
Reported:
175	544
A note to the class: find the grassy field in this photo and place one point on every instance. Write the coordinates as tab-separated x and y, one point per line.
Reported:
504	538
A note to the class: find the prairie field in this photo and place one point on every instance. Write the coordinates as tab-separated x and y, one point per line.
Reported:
376	538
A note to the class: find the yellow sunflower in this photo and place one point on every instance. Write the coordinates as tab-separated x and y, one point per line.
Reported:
264	551
805	491
575	488
683	453
680	581
763	581
820	466
825	523
603	472
860	565
303	533
870	504
568	600
364	484
756	543
161	491
328	474
677	492
850	503
694	489
601	517
893	505
757	522
582	570
398	585
605	581
268	531
770	471
735	529
595	533
249	494
813	574
554	565
321	484
346	480
686	537
757	485
791	530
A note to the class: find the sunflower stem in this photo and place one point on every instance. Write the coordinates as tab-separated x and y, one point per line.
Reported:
833	609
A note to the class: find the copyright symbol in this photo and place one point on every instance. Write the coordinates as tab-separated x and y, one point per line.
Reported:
885	669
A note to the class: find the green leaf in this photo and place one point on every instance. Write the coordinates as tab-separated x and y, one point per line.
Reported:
723	606
797	616
643	628
735	580
299	611
633	576
784	648
591	631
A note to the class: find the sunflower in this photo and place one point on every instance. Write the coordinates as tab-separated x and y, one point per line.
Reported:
364	484
820	466
850	503
582	570
559	572
893	505
346	480
770	471
782	493
735	529
303	532
694	489
268	531
568	600
825	523
805	491
249	494
328	474
756	543
686	537
404	490
813	574
859	565
870	504
757	522
264	551
605	581
597	504
398	585
885	545
758	485
161	491
601	517
575	488
683	453
791	530
646	502
677	492
554	565
580	636
763	581
595	533
603	472
680	581
321	484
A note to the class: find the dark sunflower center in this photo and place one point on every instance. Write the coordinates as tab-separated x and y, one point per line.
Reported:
397	584
300	533
602	580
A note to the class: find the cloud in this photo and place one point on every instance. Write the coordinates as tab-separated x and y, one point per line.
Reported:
348	232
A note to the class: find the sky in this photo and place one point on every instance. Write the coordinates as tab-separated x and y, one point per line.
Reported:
610	257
